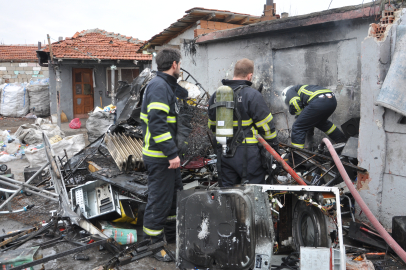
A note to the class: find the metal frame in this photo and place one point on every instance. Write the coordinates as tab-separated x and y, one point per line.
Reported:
20	187
60	189
334	190
118	79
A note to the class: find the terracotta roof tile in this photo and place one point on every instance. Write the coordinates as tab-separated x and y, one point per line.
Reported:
99	44
18	53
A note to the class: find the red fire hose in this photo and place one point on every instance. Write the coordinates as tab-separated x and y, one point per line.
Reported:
281	161
385	235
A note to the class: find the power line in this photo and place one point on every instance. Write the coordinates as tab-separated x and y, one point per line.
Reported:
330	4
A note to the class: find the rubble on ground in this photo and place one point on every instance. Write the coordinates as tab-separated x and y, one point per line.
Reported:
97	195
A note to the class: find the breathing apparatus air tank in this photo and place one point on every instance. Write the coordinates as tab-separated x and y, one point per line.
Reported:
224	115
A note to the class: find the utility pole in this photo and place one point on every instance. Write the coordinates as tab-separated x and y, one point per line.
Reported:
58	83
113	91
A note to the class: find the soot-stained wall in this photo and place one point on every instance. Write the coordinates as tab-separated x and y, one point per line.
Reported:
326	54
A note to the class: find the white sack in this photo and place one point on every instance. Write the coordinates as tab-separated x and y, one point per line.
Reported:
14	100
1	90
32	134
39	99
97	124
72	144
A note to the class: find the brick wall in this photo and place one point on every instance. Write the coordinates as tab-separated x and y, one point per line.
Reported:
21	72
205	27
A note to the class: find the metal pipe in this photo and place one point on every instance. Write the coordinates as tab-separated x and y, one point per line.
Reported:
13	211
322	156
27	186
350	203
340	229
280	160
19	188
113	90
31	191
7	190
317	164
385	235
58	94
303	161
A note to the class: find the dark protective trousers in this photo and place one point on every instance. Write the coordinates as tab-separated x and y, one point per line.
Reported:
163	184
316	114
231	168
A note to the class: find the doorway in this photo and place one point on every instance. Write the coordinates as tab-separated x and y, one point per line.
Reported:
83	98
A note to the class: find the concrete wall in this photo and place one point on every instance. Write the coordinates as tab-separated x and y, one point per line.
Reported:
66	92
381	138
328	55
187	60
21	72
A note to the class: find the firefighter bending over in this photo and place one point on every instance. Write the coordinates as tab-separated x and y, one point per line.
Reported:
158	112
313	105
256	118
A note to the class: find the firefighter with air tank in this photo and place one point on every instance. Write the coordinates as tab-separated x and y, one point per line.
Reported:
237	112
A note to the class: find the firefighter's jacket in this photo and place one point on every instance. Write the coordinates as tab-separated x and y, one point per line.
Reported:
158	112
255	114
299	96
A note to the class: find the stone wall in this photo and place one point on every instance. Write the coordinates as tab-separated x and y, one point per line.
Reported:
21	72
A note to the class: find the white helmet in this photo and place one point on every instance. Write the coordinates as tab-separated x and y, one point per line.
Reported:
284	93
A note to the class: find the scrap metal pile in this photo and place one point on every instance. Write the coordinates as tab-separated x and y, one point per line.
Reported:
101	193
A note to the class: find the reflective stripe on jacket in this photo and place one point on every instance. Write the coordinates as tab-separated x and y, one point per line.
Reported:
299	96
158	113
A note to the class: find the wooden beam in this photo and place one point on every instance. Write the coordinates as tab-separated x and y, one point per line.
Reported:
209	17
245	20
183	40
229	18
158	48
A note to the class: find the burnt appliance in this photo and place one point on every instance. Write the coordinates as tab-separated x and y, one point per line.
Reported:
224	228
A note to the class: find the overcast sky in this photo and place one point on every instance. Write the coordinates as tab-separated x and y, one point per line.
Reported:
28	21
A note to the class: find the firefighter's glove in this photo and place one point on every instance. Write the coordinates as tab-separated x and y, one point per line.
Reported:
274	144
266	159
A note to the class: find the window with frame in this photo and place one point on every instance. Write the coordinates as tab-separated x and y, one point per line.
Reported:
127	74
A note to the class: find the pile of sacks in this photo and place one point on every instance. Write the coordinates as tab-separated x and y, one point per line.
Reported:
25	100
99	121
27	143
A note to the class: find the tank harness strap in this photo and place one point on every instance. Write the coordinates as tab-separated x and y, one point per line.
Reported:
219	177
245	160
227	104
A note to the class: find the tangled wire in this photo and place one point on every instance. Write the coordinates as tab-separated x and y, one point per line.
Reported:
193	139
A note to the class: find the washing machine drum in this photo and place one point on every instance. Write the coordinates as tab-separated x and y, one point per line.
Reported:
309	226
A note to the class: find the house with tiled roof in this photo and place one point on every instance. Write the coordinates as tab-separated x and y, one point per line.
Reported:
85	62
19	63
